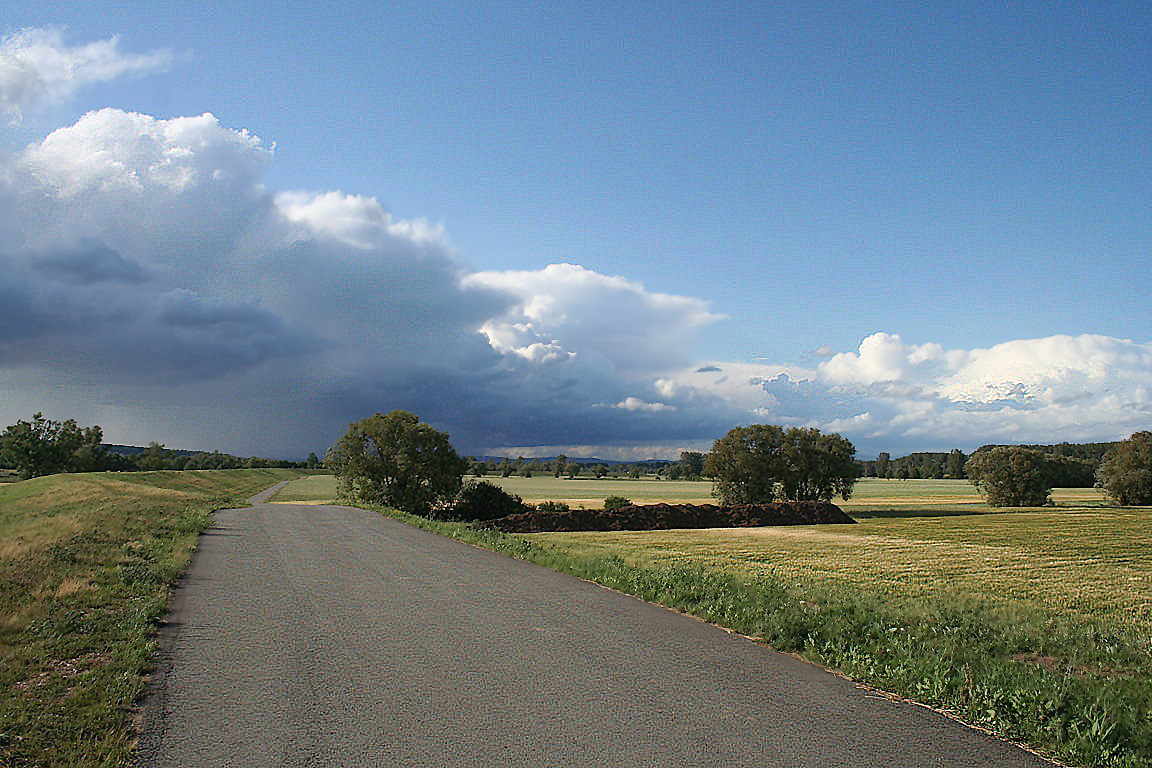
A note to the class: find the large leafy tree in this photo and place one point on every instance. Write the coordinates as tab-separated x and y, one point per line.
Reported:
761	463
398	461
817	466
1125	473
1010	476
45	447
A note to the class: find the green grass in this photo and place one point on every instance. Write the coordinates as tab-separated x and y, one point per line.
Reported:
1035	624
312	489
86	568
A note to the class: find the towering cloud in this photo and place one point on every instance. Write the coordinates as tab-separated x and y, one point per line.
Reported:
152	284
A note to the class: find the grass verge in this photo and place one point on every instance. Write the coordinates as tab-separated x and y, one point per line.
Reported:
1071	686
87	563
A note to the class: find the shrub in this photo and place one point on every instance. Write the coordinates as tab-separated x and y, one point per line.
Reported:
485	501
552	506
616	502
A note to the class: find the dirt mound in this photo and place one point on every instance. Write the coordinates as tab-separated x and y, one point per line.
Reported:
652	517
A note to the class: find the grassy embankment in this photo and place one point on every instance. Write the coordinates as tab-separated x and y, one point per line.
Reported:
1035	624
86	567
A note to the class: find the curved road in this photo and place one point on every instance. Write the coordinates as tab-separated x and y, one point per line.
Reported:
331	636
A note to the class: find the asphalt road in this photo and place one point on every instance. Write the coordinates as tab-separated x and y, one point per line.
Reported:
331	636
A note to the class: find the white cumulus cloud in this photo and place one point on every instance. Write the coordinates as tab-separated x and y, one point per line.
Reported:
893	395
357	220
38	67
153	285
603	319
636	404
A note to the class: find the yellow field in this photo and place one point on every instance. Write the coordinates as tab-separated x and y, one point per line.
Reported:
1095	563
576	493
871	495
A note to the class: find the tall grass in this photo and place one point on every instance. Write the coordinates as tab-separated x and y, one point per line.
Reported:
86	568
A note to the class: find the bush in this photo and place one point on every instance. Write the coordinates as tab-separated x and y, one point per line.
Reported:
485	501
552	506
1125	474
616	502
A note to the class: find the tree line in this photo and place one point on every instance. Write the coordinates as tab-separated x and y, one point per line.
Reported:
42	446
1068	465
398	460
1024	476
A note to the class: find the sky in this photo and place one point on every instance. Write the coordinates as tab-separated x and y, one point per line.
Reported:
613	230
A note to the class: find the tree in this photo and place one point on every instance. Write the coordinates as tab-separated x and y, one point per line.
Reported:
398	461
1010	476
45	447
1125	474
156	457
692	464
882	460
954	464
817	466
746	464
313	461
760	463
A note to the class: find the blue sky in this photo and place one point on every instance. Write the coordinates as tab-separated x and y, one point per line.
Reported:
952	197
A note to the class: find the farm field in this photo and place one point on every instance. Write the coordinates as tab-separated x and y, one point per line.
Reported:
871	497
1091	563
86	567
576	493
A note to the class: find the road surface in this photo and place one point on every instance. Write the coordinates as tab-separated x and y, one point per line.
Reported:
331	636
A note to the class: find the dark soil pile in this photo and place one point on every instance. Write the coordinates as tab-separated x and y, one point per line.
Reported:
652	517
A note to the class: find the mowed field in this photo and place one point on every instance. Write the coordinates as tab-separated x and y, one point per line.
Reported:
871	496
1093	563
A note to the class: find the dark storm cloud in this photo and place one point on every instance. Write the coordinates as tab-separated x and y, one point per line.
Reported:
87	263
